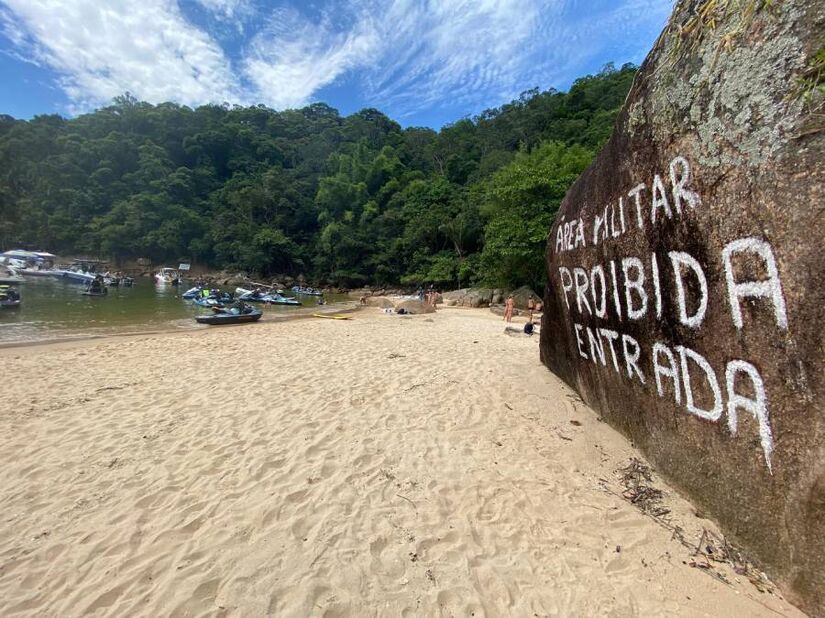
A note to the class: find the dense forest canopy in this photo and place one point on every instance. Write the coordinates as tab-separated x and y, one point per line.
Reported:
345	200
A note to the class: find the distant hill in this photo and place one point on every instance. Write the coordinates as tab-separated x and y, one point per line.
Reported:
349	200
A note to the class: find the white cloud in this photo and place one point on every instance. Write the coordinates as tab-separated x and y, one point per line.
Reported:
481	52
11	28
101	50
228	9
410	55
452	50
405	55
291	58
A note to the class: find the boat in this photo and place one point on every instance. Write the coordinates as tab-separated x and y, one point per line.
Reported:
207	302
250	296
30	263
332	317
37	261
81	271
226	316
277	299
9	297
192	292
78	276
35	271
270	298
306	291
215	296
96	287
166	276
9	275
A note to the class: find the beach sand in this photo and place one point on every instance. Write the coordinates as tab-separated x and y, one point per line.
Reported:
379	466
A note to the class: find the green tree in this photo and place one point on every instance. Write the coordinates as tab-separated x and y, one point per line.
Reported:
519	203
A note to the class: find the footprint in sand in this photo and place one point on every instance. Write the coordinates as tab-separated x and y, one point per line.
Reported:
384	560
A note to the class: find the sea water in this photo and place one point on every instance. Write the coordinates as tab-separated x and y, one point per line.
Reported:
55	309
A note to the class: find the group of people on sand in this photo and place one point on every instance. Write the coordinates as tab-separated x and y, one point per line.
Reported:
431	297
510	305
532	305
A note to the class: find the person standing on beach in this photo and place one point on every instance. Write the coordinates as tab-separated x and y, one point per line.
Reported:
509	304
531	306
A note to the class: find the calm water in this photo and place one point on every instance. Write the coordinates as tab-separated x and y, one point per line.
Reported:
53	309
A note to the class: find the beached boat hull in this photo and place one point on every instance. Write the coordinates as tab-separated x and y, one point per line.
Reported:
228	318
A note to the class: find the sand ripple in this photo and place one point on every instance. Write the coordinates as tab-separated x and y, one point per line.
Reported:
392	466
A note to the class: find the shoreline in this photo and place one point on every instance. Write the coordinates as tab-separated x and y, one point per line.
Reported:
417	464
195	328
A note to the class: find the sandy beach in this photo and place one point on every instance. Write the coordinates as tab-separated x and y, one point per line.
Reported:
378	466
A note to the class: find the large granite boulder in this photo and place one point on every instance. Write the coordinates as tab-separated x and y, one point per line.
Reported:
522	295
468	297
454	296
414	306
686	292
379	301
477	297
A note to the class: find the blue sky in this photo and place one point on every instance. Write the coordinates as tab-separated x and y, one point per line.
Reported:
423	62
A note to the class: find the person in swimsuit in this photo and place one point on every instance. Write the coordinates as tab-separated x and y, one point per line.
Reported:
509	304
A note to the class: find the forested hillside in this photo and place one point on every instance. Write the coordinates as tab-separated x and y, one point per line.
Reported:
346	200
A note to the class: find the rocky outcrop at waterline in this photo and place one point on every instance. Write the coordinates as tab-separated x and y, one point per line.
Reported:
686	290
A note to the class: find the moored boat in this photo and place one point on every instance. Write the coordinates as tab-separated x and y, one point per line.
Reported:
168	276
270	298
9	297
208	302
78	276
306	291
192	292
36	261
96	287
277	299
227	316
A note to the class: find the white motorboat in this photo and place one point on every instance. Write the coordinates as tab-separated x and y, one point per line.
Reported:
79	276
167	276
